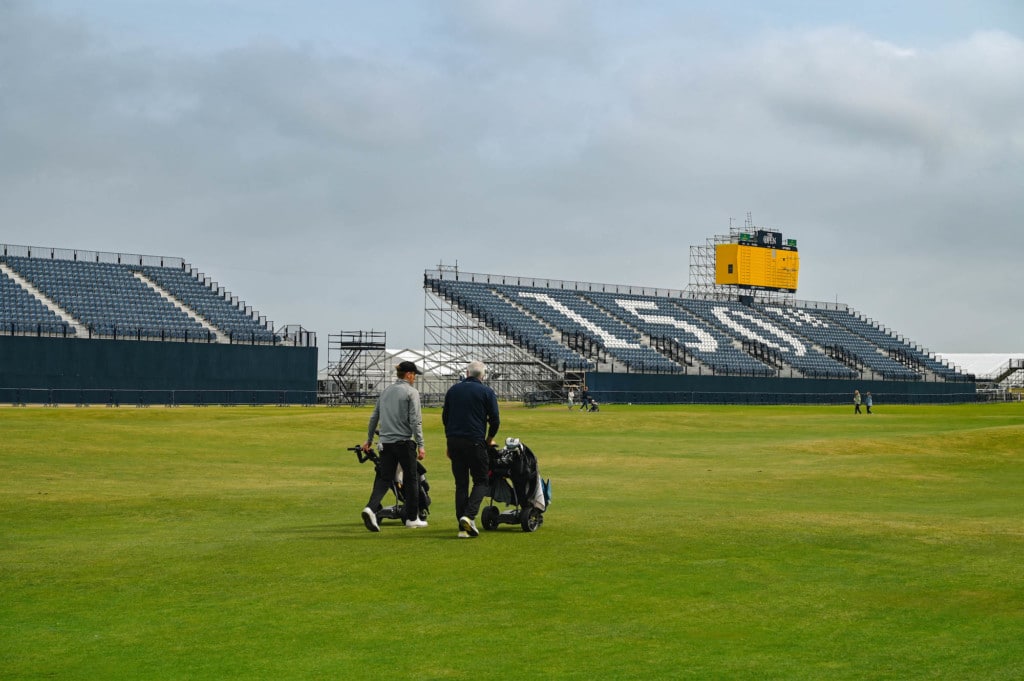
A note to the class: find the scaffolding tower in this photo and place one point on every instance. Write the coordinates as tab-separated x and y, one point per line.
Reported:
702	271
455	334
356	367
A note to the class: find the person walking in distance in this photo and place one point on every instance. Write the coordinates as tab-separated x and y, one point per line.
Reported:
400	419
856	401
867	401
584	398
471	420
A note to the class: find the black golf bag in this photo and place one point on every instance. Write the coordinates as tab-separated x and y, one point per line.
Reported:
396	510
515	481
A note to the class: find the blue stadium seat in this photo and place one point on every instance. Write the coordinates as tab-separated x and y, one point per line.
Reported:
483	302
661	317
571	313
114	299
21	312
106	298
212	306
748	324
676	333
895	347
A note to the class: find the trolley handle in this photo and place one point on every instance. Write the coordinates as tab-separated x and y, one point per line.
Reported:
363	456
366	456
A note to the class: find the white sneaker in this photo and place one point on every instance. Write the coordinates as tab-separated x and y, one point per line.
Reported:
416	523
463	535
370	520
468	526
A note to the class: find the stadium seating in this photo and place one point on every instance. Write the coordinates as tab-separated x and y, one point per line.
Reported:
121	301
21	312
216	309
106	298
570	313
660	317
874	357
894	346
746	323
578	326
829	336
484	303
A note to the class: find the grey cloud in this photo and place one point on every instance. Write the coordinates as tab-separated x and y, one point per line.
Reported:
539	143
864	91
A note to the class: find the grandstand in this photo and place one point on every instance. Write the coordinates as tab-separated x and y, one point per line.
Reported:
543	335
112	295
54	300
737	333
86	327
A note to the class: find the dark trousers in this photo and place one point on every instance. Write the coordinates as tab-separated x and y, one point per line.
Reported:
393	455
469	460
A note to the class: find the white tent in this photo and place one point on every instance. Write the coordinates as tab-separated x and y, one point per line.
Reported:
984	365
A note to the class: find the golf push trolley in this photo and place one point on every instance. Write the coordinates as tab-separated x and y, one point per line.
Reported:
397	510
515	481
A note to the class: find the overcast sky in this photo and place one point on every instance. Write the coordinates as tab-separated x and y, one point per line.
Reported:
316	157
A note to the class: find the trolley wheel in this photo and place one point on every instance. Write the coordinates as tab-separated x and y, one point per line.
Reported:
530	519
489	517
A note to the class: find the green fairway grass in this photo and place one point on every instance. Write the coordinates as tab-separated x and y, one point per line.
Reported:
682	542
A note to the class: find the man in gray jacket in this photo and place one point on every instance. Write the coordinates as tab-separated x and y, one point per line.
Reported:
401	436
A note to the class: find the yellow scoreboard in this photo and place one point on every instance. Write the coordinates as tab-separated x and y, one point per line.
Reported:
757	266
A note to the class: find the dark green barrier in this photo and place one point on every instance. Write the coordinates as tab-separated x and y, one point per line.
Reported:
610	388
79	371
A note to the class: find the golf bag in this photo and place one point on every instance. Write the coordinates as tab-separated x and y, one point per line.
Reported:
515	481
396	510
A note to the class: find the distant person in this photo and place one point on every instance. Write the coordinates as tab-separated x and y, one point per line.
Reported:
867	402
401	435
471	420
584	398
572	397
856	401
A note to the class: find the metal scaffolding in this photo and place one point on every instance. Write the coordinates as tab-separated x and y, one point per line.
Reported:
356	367
455	334
702	271
451	332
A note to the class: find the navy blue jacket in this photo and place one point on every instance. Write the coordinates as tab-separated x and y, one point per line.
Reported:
470	411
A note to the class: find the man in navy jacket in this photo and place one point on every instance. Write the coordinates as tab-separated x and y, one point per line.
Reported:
471	421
